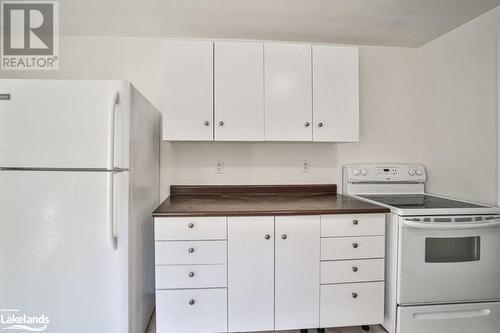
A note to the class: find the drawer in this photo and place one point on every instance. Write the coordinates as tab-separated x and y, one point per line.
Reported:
345	271
190	228
199	310
352	304
352	225
352	248
191	276
190	252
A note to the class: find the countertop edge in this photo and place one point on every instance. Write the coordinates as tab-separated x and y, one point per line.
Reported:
380	210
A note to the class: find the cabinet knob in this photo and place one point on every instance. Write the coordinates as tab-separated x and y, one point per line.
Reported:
206	123
354	269
355	222
191	302
355	245
221	123
284	236
191	274
267	236
320	124
354	295
191	250
190	225
307	124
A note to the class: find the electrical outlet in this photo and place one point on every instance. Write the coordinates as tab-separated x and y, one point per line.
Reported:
306	166
219	167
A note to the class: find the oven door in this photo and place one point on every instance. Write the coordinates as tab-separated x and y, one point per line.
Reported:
448	262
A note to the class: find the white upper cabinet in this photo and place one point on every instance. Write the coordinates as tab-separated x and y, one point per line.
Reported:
188	90
254	91
288	92
239	91
336	93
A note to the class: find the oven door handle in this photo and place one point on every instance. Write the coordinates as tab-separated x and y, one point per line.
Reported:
449	225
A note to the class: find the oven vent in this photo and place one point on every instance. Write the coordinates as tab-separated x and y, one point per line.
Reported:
456	219
442	219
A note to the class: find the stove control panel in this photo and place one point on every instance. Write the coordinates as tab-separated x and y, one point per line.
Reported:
385	173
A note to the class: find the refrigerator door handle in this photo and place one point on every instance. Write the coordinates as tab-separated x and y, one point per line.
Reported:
110	212
111	131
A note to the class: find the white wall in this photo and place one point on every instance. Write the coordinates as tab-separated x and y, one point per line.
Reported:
435	105
387	91
459	105
387	98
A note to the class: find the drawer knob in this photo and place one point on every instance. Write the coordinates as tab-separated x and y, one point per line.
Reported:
191	274
206	123
190	225
354	269
191	302
221	123
355	222
307	124
267	236
355	245
354	295
320	124
191	250
284	236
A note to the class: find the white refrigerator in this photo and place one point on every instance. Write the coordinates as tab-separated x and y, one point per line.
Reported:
79	178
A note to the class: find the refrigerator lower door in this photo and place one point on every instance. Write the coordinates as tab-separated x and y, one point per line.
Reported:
75	124
456	318
57	257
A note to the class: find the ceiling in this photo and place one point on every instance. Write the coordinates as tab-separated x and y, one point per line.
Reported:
371	22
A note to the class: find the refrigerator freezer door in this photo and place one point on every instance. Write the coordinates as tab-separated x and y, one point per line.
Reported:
64	124
56	254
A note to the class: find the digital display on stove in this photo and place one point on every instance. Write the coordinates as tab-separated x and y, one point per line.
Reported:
386	170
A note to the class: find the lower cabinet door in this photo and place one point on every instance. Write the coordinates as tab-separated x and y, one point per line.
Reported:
191	310
297	272
352	304
251	274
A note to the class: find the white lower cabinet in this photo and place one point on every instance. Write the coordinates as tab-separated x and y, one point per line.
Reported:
352	304
265	273
198	310
297	272
251	273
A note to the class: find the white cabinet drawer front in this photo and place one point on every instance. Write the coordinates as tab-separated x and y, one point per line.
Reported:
352	248
189	228
191	252
352	304
352	225
191	276
345	271
201	311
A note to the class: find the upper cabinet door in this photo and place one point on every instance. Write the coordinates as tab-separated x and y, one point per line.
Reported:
288	92
188	90
336	93
239	91
297	269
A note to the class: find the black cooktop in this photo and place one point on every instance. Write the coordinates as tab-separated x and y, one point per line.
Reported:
419	201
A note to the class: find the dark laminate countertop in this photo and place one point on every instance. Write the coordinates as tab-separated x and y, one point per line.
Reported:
261	200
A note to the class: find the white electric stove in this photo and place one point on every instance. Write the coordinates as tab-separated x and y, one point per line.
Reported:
442	266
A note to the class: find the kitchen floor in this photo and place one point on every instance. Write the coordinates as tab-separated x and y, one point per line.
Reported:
373	329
